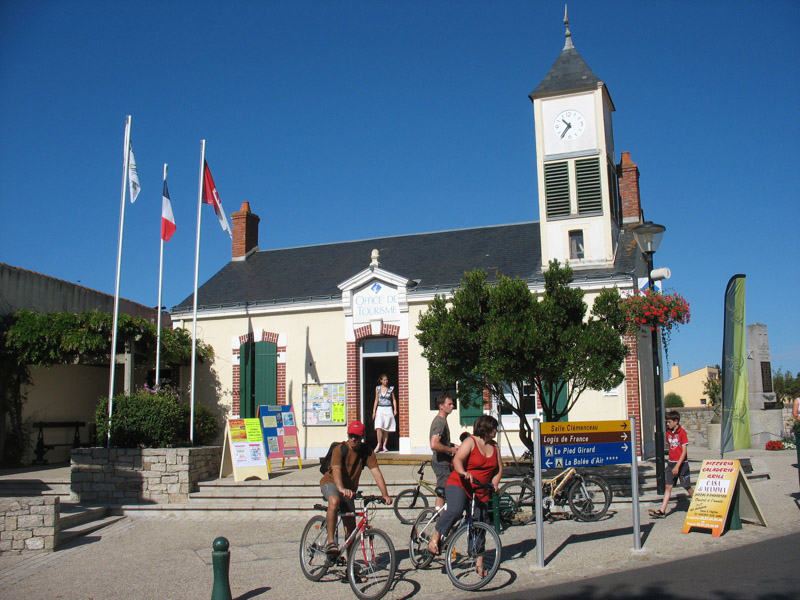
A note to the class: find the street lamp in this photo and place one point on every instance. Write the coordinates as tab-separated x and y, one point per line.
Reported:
648	237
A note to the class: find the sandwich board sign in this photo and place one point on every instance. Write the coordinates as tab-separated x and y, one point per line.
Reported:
720	483
243	451
279	430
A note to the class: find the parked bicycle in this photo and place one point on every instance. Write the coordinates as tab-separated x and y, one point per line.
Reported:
467	542
588	495
409	503
371	559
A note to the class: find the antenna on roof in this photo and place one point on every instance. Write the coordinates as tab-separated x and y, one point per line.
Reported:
567	34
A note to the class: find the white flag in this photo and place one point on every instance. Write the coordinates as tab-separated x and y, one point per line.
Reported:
133	175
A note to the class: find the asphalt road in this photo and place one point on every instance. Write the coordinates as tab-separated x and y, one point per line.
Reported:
762	571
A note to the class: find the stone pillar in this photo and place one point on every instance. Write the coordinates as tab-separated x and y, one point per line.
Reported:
766	422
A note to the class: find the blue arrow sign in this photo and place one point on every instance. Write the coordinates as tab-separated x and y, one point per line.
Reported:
585	455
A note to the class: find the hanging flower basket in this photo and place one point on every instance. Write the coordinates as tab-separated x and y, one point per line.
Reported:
656	310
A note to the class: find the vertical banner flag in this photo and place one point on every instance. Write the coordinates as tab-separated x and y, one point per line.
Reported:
210	196
133	175
735	407
167	218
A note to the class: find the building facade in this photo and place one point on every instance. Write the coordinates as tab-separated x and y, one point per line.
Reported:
315	326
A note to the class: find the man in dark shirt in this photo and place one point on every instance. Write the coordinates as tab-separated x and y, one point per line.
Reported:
443	449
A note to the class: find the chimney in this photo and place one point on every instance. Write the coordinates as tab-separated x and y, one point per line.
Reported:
675	372
628	174
245	232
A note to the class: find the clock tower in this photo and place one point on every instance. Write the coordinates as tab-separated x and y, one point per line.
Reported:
579	206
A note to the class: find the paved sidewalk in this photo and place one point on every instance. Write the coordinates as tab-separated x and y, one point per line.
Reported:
167	558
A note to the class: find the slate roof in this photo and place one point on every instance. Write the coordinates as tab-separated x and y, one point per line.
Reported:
437	260
569	73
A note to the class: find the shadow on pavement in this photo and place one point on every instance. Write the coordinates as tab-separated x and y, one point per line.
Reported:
598	535
253	593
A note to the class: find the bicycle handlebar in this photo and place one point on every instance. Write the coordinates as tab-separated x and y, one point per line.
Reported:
369	499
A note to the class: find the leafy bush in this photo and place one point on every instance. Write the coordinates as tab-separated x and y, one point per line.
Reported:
153	419
673	400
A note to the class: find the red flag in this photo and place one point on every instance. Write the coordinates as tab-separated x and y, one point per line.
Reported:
167	218
210	196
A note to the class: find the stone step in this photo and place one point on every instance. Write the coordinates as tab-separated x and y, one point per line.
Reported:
73	515
34	487
82	529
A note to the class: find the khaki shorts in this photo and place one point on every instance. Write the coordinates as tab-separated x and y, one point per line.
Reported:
345	504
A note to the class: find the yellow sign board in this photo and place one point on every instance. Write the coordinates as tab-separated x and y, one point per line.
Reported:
243	450
718	483
586	427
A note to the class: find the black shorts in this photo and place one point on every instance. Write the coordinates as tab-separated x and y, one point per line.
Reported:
442	472
682	477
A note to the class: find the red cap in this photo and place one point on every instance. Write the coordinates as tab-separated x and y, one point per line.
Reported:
356	428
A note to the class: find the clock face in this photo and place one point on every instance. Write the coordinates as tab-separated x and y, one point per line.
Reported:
569	125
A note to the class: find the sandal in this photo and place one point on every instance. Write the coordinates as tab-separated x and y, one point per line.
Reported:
657	514
330	548
481	572
433	548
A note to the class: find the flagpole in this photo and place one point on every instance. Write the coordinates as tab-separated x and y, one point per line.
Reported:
194	296
158	307
126	153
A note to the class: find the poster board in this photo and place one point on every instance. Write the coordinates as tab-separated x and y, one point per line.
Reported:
719	482
324	404
279	429
243	451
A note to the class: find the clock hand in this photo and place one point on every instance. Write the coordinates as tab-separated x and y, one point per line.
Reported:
566	129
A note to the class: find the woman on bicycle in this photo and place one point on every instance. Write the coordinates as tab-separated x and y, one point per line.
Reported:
477	460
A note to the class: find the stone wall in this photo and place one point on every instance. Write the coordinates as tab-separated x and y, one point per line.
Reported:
695	421
141	475
28	524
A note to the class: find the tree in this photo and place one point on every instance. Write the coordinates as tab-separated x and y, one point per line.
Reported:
786	387
712	388
673	400
498	337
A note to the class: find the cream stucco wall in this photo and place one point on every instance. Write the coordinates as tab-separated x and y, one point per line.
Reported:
316	351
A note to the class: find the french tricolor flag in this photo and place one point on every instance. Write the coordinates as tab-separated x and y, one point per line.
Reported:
167	218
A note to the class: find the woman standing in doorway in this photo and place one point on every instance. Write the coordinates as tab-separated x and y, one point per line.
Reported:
384	411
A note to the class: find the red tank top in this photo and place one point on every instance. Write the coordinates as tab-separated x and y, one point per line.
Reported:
482	468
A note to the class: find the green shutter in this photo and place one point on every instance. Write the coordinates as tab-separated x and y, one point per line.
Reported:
590	192
246	381
556	189
266	374
561	401
470	407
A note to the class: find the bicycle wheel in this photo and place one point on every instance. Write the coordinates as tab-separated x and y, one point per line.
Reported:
313	559
371	565
421	533
589	497
408	504
465	549
517	503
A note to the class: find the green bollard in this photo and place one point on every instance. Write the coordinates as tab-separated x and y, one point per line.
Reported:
221	560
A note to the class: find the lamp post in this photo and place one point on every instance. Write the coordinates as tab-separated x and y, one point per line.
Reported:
648	237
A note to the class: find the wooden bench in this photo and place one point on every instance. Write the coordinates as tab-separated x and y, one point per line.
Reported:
42	448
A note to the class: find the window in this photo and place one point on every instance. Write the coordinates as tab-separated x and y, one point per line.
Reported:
436	389
379	346
590	194
576	245
527	400
613	194
556	189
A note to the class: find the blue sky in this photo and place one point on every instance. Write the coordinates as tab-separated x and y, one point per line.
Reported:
350	120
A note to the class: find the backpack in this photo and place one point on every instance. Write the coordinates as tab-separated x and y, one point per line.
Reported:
325	463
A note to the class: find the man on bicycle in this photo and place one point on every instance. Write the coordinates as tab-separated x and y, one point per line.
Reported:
340	483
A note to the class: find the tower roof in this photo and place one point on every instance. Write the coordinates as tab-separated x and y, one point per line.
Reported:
569	73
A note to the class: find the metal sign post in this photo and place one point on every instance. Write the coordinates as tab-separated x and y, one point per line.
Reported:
537	470
637	536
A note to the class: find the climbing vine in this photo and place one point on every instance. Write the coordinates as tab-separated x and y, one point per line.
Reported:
45	339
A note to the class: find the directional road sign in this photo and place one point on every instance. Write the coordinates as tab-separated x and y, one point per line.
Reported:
585	444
